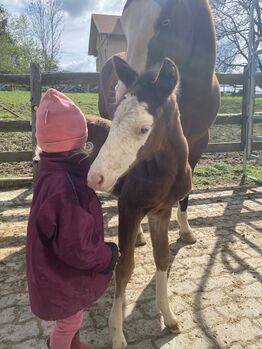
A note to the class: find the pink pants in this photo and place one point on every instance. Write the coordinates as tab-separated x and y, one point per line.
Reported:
64	331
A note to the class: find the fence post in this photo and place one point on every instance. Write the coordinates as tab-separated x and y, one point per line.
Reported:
36	90
244	110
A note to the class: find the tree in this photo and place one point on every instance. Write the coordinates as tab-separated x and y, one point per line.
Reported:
26	50
3	21
232	24
17	47
46	19
4	30
6	43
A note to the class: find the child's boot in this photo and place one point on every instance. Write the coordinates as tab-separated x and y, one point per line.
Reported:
76	344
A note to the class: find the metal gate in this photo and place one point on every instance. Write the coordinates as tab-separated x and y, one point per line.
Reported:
253	59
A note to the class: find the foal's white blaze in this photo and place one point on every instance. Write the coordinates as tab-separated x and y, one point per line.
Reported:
123	142
162	299
137	36
144	14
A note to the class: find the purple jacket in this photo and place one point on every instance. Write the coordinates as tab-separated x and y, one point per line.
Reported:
66	253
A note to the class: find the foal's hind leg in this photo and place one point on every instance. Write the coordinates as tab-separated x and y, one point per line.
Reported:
185	231
195	152
140	239
158	225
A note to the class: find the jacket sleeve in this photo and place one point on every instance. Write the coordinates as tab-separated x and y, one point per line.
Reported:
78	241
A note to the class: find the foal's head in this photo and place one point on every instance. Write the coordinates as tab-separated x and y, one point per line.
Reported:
134	121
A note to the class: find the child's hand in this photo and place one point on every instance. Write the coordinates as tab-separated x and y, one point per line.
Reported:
115	256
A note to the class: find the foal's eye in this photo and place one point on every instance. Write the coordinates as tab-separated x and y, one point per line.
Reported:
165	22
144	130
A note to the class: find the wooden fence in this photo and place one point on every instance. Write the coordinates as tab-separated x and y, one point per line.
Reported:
36	80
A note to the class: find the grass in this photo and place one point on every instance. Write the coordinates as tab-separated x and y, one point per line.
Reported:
220	173
212	170
19	102
233	105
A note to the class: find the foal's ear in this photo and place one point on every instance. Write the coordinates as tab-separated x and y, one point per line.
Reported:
167	77
124	72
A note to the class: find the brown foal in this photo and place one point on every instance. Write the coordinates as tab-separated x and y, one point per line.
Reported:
144	162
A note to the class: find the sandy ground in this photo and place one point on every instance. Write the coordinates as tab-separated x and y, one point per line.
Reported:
215	285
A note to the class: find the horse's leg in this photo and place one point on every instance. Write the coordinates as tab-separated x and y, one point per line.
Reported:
185	232
158	225
128	226
195	152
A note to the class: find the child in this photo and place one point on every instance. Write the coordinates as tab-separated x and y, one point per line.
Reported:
69	265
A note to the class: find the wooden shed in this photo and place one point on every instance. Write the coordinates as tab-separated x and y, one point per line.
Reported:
106	38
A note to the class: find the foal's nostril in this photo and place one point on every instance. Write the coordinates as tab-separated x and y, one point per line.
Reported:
100	180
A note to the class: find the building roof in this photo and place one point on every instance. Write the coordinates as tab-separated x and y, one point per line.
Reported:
103	24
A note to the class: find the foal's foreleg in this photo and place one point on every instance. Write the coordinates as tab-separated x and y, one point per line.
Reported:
185	231
159	234
128	227
116	315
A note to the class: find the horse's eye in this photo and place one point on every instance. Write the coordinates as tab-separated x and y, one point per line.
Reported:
165	22
144	130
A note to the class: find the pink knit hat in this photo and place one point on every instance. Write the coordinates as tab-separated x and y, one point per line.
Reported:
60	124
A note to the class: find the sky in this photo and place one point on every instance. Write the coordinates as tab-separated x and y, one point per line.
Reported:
75	38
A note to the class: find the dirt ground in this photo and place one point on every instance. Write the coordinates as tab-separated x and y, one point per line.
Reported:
215	285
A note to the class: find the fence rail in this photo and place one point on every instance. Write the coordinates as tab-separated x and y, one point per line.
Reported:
93	79
26	125
36	80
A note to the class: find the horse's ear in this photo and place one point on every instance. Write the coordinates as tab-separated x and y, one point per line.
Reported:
124	72
167	77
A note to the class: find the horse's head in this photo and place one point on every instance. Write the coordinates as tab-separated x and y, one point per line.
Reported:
163	28
179	29
134	120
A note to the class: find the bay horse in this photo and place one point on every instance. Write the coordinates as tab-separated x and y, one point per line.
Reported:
182	30
144	162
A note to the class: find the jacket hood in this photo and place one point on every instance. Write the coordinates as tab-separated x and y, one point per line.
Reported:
75	162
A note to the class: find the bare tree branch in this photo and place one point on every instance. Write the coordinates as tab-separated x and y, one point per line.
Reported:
47	17
232	22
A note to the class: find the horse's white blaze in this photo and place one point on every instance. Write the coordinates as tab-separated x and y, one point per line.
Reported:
139	35
123	142
116	324
162	299
183	221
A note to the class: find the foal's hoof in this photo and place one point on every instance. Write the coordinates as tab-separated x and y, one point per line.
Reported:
187	237
119	343
140	240
174	328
